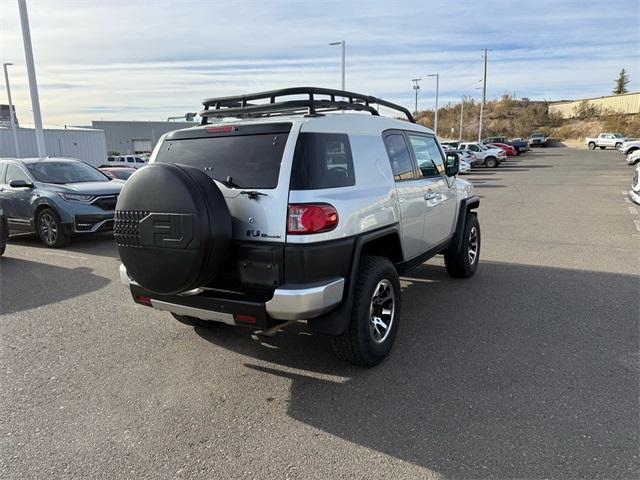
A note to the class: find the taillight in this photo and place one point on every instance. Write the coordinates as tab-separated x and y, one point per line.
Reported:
306	218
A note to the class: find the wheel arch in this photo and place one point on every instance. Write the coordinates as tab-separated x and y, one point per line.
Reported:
336	322
467	205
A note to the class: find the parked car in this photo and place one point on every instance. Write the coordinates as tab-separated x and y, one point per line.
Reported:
4	232
118	173
131	161
491	157
629	146
450	144
508	149
465	167
605	140
537	140
633	157
308	217
56	198
466	156
634	193
520	145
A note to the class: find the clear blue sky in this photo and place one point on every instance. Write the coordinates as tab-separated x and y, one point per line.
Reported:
148	59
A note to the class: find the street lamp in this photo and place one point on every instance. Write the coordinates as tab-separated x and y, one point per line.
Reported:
435	122
11	110
342	43
416	87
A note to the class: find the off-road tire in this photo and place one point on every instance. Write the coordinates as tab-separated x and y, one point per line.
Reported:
357	344
50	230
592	146
491	162
195	322
459	264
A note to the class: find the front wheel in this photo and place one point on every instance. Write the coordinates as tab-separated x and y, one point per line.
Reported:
51	230
592	146
375	314
491	162
463	264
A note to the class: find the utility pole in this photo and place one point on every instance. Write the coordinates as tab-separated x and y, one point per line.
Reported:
484	94
416	87
461	117
343	44
435	121
31	72
12	113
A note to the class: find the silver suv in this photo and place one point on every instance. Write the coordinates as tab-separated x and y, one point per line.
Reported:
276	209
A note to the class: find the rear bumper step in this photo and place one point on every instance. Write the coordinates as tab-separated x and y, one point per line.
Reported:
289	302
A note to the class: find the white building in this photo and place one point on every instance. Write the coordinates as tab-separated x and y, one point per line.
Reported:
86	144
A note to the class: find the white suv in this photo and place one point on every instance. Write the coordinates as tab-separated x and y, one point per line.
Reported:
491	157
285	211
131	161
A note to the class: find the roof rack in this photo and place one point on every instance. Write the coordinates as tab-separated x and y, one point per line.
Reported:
239	106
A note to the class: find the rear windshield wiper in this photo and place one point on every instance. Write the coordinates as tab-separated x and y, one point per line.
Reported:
229	183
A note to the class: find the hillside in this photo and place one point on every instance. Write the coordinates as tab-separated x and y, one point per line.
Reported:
520	117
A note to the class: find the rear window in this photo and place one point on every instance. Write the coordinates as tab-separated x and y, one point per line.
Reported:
250	161
322	160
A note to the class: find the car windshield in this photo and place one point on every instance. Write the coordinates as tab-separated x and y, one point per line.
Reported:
618	135
482	147
65	172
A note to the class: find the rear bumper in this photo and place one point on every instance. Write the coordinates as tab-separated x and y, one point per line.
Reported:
288	302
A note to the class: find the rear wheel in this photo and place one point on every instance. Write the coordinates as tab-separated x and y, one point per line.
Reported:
463	264
491	162
375	314
50	229
592	146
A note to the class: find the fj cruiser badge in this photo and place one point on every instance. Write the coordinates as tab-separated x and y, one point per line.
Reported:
167	230
258	233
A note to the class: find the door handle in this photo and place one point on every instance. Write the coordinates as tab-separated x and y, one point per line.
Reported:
429	195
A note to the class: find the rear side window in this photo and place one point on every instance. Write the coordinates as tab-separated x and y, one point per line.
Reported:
399	157
3	168
322	160
250	161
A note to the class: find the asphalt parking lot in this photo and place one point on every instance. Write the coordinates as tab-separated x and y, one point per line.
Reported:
527	370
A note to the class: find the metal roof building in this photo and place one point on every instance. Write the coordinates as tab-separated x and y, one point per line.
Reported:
129	137
86	144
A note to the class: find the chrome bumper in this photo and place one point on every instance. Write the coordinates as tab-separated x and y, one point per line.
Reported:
289	302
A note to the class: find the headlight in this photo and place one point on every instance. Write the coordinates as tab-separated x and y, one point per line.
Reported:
76	197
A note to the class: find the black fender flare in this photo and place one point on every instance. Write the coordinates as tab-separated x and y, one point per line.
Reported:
466	205
336	322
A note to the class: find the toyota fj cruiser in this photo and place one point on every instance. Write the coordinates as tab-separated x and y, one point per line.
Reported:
276	210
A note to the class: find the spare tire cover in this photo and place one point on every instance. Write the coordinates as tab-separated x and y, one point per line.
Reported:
172	228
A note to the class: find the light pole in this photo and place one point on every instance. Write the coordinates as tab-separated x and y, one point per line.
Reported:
343	44
461	117
11	110
416	87
31	72
435	121
484	94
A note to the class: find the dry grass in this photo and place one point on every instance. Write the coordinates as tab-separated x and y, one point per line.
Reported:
520	118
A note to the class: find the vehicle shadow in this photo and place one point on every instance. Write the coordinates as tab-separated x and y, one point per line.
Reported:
25	285
519	372
101	244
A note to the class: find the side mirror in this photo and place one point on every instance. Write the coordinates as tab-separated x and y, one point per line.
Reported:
453	165
20	184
